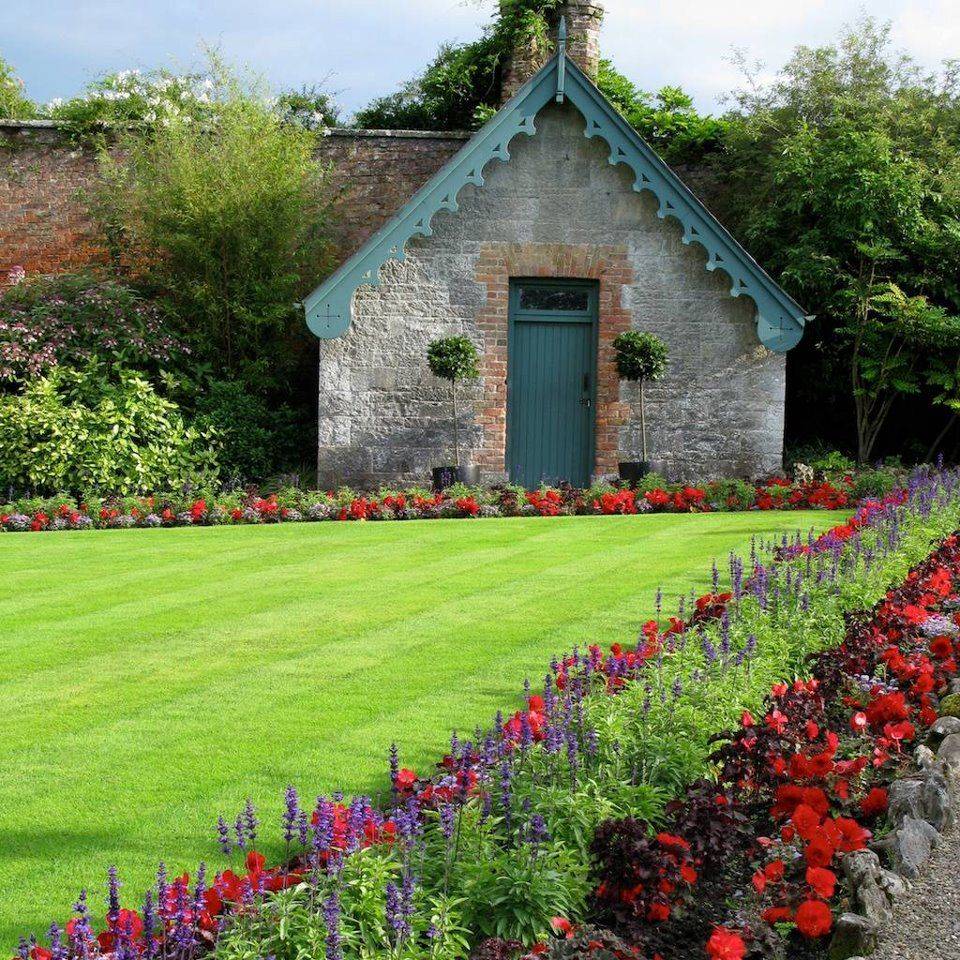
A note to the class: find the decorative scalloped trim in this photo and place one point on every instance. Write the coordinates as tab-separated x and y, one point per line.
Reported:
780	320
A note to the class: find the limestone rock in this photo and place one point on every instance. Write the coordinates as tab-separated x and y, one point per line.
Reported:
943	728
862	870
905	801
935	801
924	757
911	846
853	936
893	885
949	754
923	798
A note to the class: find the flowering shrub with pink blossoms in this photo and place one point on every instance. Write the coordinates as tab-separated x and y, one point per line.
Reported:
689	793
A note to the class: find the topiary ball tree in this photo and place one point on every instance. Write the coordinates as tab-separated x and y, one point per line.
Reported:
454	359
640	357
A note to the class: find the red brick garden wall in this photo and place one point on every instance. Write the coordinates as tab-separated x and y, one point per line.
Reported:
45	227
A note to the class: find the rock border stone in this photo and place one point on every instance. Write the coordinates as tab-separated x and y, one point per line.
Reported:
921	810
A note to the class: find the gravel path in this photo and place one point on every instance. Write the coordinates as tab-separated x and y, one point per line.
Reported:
926	923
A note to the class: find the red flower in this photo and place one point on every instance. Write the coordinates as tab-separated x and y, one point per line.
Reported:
852	835
887	708
814	919
726	944
562	926
774	915
875	802
658	912
819	851
941	648
807	821
914	614
904	730
405	780
669	840
823	882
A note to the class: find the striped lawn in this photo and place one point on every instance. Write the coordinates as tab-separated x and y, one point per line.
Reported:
150	679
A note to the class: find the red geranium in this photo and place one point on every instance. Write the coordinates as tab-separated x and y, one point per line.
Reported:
875	802
823	882
726	944
814	919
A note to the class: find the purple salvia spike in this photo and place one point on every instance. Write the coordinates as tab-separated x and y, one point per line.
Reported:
291	812
113	895
149	926
251	822
331	916
57	951
241	832
223	836
394	770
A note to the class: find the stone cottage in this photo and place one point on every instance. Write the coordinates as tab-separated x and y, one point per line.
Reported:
540	237
550	231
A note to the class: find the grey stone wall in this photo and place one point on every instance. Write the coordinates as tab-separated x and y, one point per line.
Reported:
719	411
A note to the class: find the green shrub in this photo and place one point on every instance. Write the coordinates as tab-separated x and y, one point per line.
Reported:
226	220
75	430
257	440
731	494
873	483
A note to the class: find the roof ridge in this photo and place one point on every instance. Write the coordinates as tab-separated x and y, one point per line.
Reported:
780	320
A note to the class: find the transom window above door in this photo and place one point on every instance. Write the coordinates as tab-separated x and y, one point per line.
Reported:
553	298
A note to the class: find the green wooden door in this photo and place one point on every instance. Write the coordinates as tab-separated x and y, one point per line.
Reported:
551	382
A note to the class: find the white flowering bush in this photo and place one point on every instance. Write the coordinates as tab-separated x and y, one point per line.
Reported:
132	99
135	100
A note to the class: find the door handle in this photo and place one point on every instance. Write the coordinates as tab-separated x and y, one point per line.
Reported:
585	401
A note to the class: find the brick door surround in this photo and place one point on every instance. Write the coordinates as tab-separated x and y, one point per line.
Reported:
497	264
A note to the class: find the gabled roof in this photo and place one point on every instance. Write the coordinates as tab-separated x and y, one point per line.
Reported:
780	320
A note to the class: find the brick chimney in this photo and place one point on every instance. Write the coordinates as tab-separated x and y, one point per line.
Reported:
584	18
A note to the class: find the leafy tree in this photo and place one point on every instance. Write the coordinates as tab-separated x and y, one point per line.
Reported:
667	120
14	104
225	220
463	85
461	89
843	176
454	359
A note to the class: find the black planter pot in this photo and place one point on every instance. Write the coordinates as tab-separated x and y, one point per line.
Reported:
444	477
634	471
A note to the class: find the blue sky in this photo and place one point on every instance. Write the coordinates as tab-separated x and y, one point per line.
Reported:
362	48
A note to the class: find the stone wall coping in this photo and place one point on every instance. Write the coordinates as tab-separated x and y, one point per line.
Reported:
345	132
